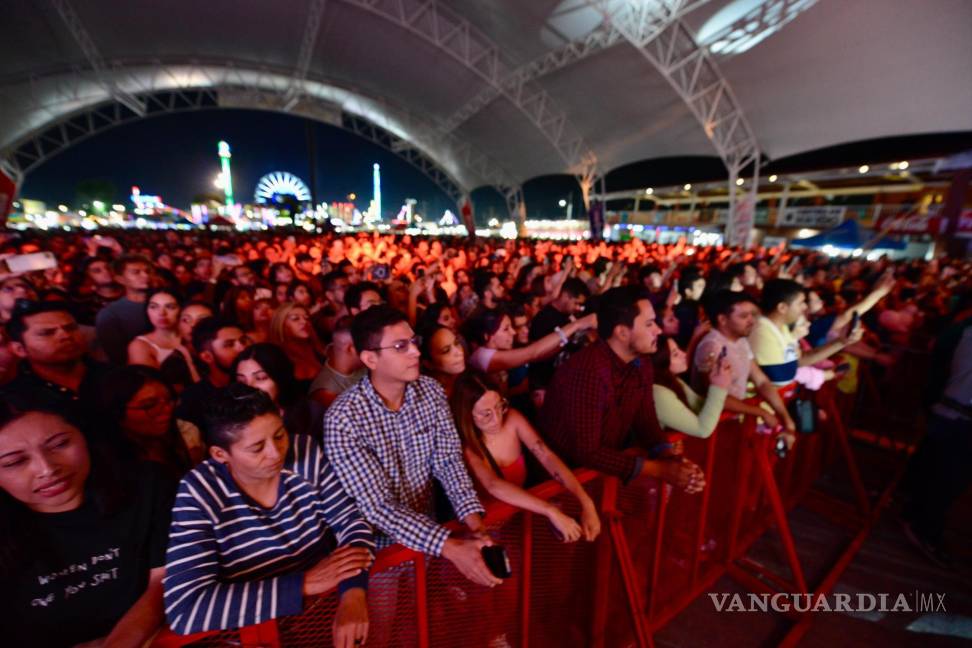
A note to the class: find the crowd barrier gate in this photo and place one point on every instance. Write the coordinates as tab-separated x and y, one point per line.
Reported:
659	549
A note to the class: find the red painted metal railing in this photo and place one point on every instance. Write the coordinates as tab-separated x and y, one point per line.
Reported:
659	549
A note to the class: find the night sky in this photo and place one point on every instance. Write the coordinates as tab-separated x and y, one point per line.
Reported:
174	156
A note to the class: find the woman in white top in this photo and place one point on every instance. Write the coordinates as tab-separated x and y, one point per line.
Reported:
492	336
162	348
678	407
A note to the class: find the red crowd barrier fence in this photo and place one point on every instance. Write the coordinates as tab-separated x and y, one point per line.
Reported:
659	549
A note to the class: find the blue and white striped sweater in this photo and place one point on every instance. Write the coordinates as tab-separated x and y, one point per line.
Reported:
231	562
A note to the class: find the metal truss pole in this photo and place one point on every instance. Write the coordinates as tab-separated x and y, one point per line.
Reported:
603	37
442	27
693	73
307	43
90	50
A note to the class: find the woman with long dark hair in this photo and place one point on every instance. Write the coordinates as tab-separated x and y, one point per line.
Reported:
237	306
492	335
140	406
162	348
82	536
493	435
678	407
443	356
292	331
267	368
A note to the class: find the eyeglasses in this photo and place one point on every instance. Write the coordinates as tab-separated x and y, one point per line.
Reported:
401	346
497	411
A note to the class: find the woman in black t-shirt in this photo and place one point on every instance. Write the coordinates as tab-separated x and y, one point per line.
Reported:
82	546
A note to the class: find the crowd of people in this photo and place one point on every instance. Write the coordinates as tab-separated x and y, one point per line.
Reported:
201	430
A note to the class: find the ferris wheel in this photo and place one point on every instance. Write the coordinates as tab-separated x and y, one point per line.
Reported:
281	183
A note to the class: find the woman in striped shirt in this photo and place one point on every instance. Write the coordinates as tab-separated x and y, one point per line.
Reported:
261	524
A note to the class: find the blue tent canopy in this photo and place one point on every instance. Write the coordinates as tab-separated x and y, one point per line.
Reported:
846	235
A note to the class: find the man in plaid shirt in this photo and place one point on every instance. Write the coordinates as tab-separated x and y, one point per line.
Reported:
390	434
600	401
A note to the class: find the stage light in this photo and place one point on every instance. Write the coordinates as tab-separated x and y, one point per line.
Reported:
863	169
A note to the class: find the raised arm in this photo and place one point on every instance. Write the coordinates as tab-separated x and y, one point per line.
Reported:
675	415
541	349
884	286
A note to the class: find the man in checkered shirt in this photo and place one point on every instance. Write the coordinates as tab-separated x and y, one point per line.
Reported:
390	434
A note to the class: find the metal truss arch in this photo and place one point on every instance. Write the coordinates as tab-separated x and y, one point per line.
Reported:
691	70
443	28
66	107
604	36
76	128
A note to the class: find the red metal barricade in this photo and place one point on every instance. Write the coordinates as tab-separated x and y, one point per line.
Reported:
659	549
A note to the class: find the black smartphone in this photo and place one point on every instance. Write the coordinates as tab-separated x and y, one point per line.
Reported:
497	561
780	447
723	353
843	367
855	320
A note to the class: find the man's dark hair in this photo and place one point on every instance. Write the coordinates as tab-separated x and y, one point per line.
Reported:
230	410
122	262
329	280
647	270
368	326
722	302
778	291
737	270
24	308
342	325
352	296
687	278
302	256
617	306
576	288
206	330
481	280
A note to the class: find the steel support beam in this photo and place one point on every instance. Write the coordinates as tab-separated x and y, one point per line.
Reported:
95	60
455	36
307	43
692	72
171	85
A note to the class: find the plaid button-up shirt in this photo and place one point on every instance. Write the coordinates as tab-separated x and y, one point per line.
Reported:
386	461
596	406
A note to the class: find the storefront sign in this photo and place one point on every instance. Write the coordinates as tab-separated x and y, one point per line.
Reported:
813	217
909	222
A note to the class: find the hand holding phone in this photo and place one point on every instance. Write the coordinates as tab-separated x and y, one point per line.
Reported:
497	560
